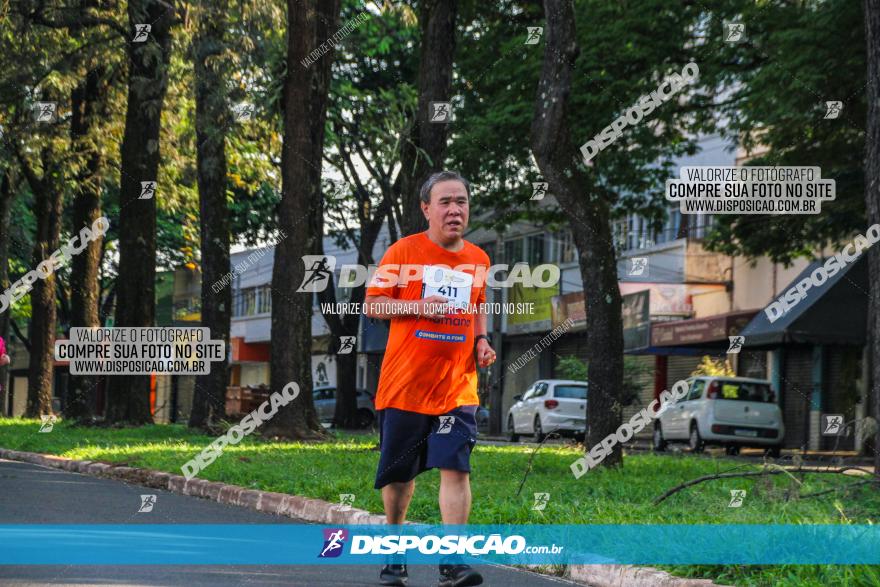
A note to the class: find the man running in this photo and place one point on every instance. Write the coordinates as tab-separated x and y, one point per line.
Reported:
427	397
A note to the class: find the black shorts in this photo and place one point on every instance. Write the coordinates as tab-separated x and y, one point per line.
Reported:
411	443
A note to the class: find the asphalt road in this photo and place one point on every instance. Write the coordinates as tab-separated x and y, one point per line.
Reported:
31	494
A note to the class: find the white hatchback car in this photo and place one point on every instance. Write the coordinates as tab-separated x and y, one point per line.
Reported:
727	411
549	405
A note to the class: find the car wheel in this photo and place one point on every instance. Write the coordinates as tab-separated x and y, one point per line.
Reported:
658	441
731	450
511	432
364	418
539	432
775	451
694	440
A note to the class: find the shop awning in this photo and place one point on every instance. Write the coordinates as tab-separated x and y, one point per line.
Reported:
835	312
709	333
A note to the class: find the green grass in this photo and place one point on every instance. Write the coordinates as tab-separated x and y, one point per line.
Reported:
615	496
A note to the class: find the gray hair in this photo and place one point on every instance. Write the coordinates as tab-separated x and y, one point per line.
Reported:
425	192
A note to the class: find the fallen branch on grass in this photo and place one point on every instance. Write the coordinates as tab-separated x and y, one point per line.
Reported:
774	471
534	452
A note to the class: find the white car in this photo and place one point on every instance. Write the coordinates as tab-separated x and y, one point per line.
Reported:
549	405
727	411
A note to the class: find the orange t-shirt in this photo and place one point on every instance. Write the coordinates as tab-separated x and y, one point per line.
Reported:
429	364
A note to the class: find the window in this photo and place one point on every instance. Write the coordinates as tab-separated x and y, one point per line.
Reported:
741	391
513	251
535	250
570	391
528	394
252	301
540	390
264	300
696	389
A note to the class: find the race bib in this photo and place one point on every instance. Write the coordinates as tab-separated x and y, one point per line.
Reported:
455	286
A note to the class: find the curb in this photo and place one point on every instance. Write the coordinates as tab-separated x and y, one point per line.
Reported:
630	576
323	512
282	504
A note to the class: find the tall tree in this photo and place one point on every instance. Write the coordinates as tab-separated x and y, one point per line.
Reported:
48	202
212	122
6	195
872	204
304	104
88	109
128	396
590	224
425	151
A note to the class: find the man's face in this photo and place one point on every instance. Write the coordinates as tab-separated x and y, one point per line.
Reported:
448	210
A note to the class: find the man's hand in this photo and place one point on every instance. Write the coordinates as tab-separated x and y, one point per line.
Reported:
4	360
485	354
432	306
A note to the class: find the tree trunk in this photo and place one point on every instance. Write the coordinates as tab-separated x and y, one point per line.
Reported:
590	224
86	100
426	151
309	23
6	192
212	121
872	205
128	396
48	202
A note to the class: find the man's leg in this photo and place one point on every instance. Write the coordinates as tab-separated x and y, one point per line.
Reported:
396	497
455	496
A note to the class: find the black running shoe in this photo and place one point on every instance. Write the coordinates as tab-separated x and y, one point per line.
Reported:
394	575
459	576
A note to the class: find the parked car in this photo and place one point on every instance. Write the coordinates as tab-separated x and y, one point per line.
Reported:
726	411
325	405
549	405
